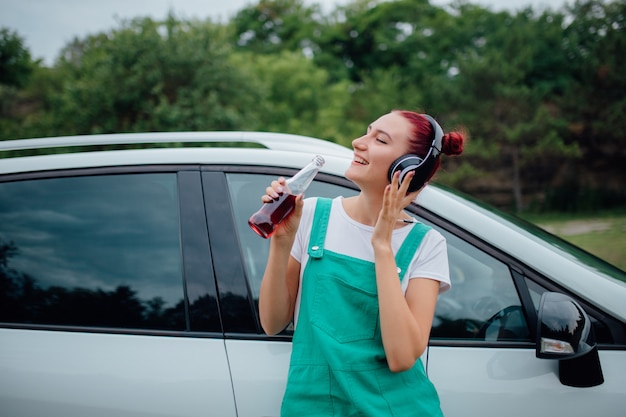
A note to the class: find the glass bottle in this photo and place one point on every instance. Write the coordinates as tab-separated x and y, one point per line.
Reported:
264	221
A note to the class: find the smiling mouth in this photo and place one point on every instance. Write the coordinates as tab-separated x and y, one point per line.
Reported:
360	161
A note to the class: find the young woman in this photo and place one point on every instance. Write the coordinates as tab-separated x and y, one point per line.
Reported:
360	279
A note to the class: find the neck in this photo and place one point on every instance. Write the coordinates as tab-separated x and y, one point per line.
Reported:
364	208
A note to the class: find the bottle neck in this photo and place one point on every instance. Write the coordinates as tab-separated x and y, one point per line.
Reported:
303	178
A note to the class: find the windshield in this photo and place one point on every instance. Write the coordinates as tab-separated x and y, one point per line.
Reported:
531	231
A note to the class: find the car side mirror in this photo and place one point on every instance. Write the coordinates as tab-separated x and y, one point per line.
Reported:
565	332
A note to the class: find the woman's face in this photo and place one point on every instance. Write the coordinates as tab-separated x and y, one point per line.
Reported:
385	141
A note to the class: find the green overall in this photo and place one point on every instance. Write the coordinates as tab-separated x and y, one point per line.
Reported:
338	365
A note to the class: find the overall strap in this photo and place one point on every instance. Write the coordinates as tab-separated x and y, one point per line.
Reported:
409	247
319	226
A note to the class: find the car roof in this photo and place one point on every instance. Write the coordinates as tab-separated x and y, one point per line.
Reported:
249	148
589	279
269	140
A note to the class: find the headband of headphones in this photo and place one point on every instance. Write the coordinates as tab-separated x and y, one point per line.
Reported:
436	144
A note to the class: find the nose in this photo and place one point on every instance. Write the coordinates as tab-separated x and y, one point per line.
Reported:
359	143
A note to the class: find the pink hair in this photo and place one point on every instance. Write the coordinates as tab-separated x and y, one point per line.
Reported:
420	138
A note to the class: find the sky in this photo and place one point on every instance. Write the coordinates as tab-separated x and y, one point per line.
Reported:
48	25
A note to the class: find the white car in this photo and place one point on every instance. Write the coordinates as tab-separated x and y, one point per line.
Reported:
129	282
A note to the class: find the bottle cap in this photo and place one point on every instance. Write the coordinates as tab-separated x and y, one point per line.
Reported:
319	160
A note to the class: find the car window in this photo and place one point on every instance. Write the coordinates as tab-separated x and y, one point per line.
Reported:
483	303
100	251
245	192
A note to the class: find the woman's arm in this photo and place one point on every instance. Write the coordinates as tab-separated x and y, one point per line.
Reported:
405	319
279	287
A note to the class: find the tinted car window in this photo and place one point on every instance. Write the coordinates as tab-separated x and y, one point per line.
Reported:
483	302
99	251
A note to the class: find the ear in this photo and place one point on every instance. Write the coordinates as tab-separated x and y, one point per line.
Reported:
410	162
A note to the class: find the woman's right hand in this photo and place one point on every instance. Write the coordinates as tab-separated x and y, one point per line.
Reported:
290	225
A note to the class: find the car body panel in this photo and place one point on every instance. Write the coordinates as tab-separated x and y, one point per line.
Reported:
258	393
66	374
512	382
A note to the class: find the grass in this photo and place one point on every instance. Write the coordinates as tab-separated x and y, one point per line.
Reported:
603	235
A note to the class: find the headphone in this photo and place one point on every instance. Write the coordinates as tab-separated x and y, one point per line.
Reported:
422	167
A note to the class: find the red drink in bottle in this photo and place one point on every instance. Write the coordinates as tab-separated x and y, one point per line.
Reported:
264	221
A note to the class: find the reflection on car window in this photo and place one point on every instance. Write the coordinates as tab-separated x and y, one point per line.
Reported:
602	332
483	303
98	251
535	291
245	192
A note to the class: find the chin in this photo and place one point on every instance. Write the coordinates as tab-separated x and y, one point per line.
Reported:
354	178
348	174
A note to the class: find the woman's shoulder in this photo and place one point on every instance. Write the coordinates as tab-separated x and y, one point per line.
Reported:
311	202
433	237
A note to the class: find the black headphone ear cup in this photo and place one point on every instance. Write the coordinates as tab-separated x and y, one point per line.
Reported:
423	167
405	164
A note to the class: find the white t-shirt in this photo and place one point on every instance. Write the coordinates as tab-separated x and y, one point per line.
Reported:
348	237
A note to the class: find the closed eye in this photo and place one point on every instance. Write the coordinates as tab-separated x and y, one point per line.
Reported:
380	139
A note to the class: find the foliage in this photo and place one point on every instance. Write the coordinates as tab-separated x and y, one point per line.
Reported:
541	93
16	63
16	67
153	76
601	234
277	25
295	93
596	41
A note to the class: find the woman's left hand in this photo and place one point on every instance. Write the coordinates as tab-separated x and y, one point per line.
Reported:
395	200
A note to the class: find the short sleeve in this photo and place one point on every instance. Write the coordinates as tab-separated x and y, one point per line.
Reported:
301	242
431	261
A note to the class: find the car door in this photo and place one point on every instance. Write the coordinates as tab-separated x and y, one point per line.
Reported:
108	303
482	356
258	363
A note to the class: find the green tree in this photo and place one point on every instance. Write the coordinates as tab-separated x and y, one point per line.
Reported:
16	64
296	96
17	70
381	91
149	76
507	98
278	25
366	36
595	42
